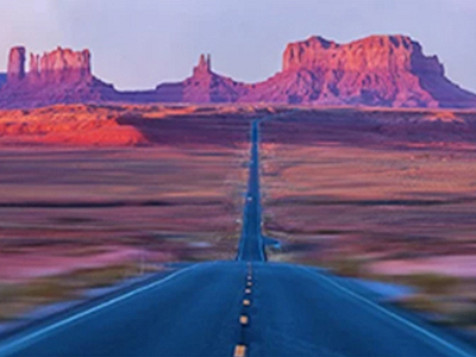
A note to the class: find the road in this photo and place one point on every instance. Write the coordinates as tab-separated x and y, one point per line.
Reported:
246	307
251	246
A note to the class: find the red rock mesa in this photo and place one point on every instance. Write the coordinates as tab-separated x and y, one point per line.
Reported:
60	76
388	71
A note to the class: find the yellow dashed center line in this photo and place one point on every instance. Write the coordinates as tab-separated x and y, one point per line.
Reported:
244	320
240	351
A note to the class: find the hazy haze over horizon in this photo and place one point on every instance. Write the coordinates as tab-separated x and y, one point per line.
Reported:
138	44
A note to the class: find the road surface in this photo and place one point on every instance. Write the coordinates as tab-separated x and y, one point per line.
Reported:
251	246
246	307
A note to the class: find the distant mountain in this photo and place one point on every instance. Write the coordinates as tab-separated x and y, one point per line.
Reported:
204	86
60	76
388	71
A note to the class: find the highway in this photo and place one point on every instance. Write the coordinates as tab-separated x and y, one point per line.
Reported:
245	307
251	247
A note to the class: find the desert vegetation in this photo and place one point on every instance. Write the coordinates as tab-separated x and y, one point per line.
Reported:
373	195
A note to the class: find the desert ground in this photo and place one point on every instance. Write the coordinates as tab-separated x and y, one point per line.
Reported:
93	194
376	196
82	206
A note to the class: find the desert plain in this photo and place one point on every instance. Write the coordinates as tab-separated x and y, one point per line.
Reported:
93	194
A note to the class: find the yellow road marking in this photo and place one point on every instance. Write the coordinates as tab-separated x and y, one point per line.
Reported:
244	320
240	351
246	302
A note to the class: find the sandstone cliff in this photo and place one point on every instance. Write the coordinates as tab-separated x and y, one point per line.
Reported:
60	76
204	86
386	71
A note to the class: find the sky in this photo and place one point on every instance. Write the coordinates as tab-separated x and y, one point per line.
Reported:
137	44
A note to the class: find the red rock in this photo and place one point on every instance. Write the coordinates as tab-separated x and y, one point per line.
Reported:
378	70
60	76
204	86
204	66
64	65
16	64
60	66
389	71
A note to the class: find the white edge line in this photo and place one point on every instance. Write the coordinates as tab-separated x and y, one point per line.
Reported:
22	342
393	315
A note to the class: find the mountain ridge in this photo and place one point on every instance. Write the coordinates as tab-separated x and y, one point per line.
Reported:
379	70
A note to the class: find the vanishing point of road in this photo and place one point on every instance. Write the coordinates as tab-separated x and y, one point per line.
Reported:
246	307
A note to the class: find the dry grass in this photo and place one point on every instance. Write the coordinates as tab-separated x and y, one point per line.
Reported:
387	195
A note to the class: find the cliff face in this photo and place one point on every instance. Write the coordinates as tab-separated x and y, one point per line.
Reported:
389	71
16	65
204	86
60	76
378	70
60	66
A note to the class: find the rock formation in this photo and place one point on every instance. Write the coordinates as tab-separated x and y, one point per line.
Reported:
16	65
60	76
204	86
388	71
60	66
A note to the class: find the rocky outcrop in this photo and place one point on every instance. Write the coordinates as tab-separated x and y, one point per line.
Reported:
389	71
204	86
16	65
60	66
60	76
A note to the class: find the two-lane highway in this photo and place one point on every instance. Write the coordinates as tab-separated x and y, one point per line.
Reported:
251	247
192	313
247	307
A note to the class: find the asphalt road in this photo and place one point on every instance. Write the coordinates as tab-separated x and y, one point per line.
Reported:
251	246
246	307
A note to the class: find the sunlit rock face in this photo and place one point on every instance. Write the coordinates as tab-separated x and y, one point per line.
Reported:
16	65
60	66
204	86
60	76
387	71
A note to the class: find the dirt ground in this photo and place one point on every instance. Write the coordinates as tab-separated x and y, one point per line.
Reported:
92	194
376	202
72	210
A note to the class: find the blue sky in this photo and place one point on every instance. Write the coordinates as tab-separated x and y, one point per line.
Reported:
139	43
